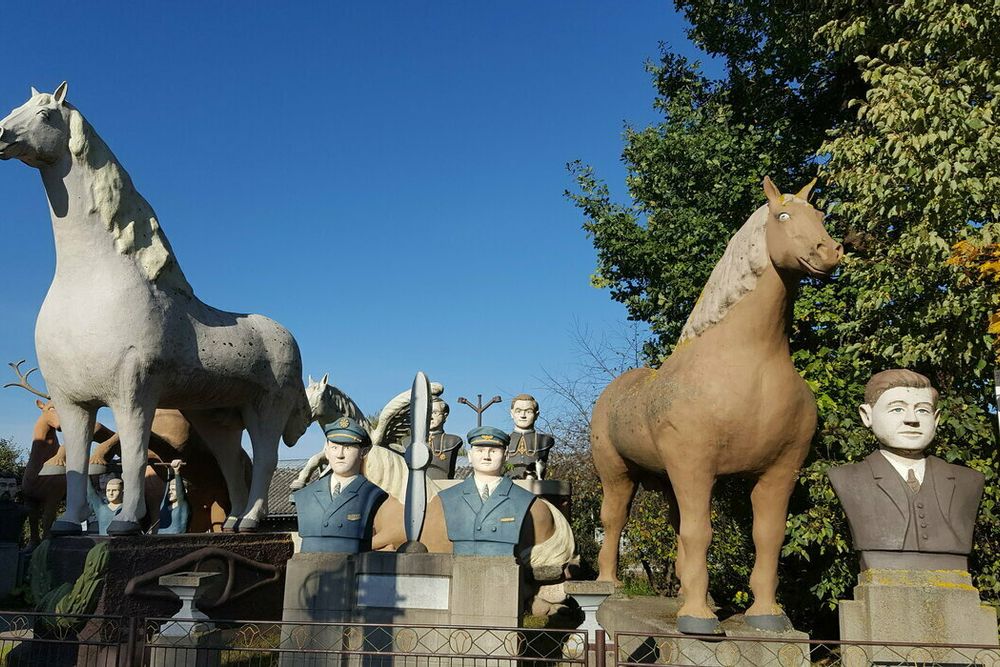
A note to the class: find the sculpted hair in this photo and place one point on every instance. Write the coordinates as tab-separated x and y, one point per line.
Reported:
896	377
524	397
445	409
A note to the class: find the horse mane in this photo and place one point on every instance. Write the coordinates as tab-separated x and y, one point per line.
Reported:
126	214
733	277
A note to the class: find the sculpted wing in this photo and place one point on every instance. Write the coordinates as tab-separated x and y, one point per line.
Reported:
394	419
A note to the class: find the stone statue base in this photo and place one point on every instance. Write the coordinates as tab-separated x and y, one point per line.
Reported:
653	638
400	589
918	606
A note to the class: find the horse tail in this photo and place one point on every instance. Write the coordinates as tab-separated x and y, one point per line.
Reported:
299	419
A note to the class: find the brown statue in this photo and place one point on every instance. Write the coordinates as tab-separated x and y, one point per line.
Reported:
728	400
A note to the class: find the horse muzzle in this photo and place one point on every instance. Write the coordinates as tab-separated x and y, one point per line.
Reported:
7	142
823	261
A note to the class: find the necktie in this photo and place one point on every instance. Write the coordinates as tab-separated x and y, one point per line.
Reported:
336	489
486	492
911	481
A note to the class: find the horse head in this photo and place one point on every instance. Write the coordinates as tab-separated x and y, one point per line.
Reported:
797	241
37	132
319	393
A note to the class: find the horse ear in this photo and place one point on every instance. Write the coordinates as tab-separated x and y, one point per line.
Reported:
772	192
310	379
34	91
326	377
60	95
804	192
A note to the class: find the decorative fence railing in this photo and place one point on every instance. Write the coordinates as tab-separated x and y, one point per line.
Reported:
48	640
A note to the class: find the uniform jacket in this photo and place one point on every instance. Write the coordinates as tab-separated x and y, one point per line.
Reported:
884	515
492	528
342	523
526	448
444	454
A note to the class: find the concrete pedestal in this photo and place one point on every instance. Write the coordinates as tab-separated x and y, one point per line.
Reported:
590	595
400	589
919	606
653	637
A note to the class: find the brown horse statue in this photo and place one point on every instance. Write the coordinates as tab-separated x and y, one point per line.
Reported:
727	401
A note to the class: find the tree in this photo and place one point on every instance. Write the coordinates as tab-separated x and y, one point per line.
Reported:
893	104
11	457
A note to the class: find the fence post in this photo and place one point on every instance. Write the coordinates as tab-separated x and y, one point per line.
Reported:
133	654
600	649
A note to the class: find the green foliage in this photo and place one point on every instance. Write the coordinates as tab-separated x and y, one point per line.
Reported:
11	457
894	105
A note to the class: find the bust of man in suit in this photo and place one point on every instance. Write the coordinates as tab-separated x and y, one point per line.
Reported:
486	512
528	451
336	513
907	510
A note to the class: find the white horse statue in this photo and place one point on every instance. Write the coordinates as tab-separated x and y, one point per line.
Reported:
121	327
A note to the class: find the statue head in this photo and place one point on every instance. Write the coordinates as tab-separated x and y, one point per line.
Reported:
38	131
114	491
439	413
10	486
347	443
487	450
797	241
901	410
524	411
172	489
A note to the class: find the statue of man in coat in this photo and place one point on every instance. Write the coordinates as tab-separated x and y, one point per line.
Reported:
528	450
906	509
485	513
337	511
444	447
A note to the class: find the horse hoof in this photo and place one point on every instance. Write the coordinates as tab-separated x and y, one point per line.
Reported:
247	525
769	622
693	625
124	528
62	528
230	525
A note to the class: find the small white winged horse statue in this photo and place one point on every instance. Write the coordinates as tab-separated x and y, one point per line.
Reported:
121	327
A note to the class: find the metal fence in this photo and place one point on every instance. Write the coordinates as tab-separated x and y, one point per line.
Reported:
51	640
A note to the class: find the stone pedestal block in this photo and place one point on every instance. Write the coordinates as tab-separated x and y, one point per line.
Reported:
651	624
379	588
590	595
922	607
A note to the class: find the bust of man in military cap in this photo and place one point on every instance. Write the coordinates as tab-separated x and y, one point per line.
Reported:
484	515
907	510
445	447
528	450
336	513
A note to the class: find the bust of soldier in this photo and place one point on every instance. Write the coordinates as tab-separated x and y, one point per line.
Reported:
106	510
528	451
906	509
12	513
445	447
336	513
485	514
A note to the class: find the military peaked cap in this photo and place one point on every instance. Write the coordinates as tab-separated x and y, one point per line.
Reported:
346	431
487	436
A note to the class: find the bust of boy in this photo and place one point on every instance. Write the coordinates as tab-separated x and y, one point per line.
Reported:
907	509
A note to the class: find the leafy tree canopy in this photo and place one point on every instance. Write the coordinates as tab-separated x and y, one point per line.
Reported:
893	103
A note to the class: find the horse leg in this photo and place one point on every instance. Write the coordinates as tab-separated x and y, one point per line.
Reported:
224	441
770	511
265	431
619	488
78	431
134	422
693	490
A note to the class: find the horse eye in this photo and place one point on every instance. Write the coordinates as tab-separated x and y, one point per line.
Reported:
783	216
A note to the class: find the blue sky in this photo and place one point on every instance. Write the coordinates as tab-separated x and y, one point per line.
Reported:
384	179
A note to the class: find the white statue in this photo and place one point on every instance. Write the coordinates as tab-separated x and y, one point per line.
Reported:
121	327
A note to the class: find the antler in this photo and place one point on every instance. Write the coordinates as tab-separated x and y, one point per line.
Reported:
23	380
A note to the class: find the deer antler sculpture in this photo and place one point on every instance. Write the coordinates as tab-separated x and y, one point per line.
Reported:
23	380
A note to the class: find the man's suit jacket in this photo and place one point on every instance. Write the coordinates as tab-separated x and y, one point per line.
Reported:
444	454
524	449
492	528
880	510
342	523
